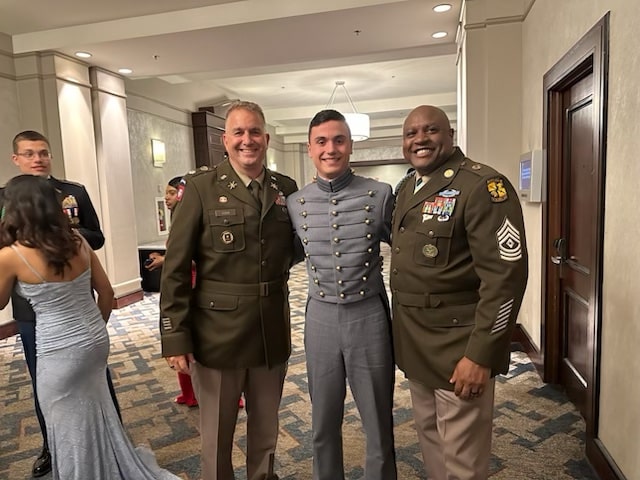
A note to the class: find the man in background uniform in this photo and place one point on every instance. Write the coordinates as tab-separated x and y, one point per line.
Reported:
32	156
232	332
458	275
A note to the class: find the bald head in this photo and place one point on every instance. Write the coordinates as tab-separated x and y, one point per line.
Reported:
427	138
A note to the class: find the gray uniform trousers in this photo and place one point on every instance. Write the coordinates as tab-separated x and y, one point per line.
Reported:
350	341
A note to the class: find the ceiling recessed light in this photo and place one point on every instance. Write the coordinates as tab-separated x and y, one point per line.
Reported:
125	71
83	54
439	34
443	7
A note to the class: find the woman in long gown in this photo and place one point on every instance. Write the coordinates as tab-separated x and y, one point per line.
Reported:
53	267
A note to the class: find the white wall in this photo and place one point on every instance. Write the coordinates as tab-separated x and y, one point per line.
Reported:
149	181
549	31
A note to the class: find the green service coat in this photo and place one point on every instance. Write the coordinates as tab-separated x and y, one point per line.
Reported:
237	315
458	271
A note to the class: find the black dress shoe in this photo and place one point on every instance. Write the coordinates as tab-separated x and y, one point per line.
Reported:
42	465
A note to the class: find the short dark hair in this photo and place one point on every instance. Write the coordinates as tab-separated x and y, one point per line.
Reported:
326	116
29	135
33	217
174	182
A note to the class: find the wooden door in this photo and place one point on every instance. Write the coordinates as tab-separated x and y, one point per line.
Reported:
573	255
574	137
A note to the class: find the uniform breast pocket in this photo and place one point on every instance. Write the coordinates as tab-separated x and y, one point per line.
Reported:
227	230
433	243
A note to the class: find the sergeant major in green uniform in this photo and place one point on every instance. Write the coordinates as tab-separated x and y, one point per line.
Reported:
232	331
458	275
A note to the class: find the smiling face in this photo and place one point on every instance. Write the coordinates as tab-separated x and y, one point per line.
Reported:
330	147
33	157
427	139
246	141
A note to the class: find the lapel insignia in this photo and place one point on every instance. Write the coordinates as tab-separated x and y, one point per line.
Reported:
496	189
451	192
430	251
232	184
274	185
223	199
223	176
448	173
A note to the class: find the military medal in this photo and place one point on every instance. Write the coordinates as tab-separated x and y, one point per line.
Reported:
70	207
439	206
281	200
430	251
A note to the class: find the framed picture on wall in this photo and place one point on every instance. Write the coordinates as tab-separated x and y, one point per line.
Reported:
163	219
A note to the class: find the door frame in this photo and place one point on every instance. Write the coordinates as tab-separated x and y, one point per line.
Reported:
591	53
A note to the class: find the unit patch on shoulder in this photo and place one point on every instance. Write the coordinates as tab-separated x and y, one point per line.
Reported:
181	186
496	189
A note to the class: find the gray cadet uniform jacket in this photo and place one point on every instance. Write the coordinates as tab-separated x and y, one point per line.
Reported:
346	218
237	316
458	271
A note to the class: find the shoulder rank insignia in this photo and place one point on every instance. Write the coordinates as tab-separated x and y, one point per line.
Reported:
496	189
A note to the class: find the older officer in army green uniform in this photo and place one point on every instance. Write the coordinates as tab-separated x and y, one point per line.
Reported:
232	331
458	275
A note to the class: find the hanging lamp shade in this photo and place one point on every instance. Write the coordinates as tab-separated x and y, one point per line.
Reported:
359	126
359	123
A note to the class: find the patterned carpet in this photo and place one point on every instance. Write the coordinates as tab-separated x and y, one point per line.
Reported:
538	434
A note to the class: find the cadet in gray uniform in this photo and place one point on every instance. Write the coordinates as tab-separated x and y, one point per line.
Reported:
341	219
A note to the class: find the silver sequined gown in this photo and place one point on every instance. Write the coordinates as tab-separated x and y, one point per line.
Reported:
86	438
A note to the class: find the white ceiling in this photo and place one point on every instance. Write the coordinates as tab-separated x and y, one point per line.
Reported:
285	55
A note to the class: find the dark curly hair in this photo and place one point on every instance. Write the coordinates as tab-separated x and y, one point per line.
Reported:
32	216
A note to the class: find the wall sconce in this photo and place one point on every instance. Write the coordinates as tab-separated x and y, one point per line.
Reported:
158	153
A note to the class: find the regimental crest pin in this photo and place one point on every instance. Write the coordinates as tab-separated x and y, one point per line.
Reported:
223	199
227	237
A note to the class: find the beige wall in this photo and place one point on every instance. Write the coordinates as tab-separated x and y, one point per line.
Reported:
549	31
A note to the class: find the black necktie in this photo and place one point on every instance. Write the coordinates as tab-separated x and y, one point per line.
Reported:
254	187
